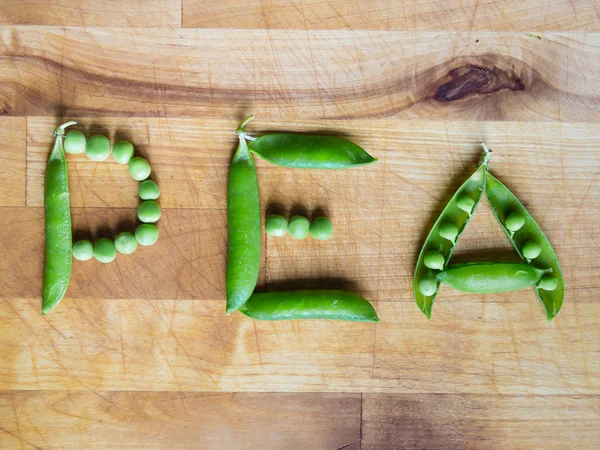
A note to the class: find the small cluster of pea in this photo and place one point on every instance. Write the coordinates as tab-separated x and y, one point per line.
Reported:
97	148
299	227
514	222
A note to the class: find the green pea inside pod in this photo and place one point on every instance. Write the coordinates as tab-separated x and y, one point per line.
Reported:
321	228
448	231
531	250
123	152
427	286
548	283
105	250
148	190
434	260
276	225
97	147
514	221
298	227
465	203
75	142
83	250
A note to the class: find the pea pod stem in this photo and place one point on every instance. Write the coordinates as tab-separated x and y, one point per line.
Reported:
57	213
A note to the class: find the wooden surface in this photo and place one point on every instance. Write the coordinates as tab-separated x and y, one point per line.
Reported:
140	353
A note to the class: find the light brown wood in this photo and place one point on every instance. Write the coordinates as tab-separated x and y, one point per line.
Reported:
452	15
102	420
13	161
294	74
189	345
103	13
140	353
441	421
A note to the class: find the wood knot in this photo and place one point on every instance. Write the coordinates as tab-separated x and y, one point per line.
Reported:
470	80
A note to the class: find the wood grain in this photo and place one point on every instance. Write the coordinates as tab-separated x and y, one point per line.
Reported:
103	13
187	345
179	420
416	15
442	421
13	181
295	74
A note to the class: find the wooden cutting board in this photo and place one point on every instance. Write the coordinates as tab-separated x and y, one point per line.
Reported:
140	352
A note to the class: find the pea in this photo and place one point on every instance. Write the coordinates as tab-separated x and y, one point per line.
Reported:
139	168
126	243
514	221
548	283
465	203
57	213
105	250
298	227
148	211
488	278
146	234
427	286
321	228
122	152
148	190
97	147
531	250
434	260
276	225
75	142
83	250
448	231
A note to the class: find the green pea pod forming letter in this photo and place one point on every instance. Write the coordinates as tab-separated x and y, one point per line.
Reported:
303	151
503	203
243	224
444	236
57	271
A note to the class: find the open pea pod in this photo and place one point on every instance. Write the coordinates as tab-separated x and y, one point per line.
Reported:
303	151
444	236
503	203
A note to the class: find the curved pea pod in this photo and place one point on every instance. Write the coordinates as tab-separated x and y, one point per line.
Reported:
302	151
243	225
452	214
503	202
57	214
309	304
490	277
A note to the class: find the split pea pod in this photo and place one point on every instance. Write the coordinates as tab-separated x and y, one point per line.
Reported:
243	224
490	277
444	236
309	304
57	214
529	241
302	151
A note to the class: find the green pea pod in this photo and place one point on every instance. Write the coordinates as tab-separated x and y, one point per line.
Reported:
490	277
503	202
458	218
309	304
57	271
302	151
243	223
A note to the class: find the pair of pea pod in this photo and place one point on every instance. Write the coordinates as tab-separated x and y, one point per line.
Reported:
244	228
540	270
